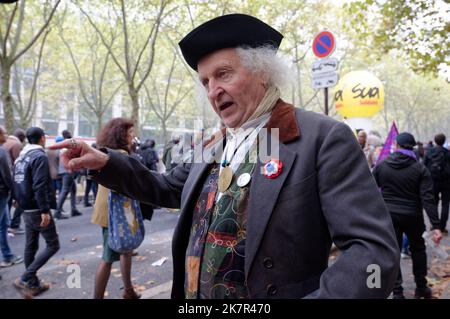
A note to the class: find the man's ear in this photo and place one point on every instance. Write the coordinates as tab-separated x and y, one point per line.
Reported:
265	80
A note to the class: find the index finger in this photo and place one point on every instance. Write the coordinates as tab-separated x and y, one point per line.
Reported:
64	144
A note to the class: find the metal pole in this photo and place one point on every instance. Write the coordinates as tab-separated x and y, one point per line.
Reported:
326	101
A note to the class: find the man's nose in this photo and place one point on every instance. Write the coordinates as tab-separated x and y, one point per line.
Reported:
214	90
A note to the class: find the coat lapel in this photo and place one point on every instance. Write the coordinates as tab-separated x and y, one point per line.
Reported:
264	191
263	196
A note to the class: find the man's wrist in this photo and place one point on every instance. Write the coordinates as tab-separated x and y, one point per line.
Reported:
103	154
104	159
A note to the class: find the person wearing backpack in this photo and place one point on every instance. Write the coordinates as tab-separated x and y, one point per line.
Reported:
437	160
407	189
33	190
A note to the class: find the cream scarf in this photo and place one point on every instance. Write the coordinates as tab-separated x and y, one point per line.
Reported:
267	103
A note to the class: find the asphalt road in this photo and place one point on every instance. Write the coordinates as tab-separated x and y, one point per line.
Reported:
80	253
81	249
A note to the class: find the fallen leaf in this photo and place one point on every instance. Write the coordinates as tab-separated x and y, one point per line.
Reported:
159	262
140	258
66	262
141	288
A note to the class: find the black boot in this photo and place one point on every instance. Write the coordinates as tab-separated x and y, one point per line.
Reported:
58	215
75	213
423	292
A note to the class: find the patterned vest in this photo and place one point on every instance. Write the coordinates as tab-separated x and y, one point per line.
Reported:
216	251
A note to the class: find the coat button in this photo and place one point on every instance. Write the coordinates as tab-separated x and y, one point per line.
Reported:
268	262
271	289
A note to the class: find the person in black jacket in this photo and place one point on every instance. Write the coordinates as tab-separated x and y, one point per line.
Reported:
34	192
437	160
407	189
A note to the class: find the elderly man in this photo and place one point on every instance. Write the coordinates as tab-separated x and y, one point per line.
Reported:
263	228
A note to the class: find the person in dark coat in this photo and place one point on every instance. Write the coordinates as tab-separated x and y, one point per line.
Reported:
33	189
261	227
437	160
407	189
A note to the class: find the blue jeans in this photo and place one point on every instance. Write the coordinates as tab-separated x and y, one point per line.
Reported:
4	222
68	186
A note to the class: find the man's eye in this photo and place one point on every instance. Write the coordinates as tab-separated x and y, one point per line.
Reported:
223	75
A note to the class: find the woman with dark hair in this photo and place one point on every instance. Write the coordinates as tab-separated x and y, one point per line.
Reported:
117	134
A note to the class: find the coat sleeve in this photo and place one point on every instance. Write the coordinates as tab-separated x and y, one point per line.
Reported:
40	177
358	221
5	169
128	176
427	197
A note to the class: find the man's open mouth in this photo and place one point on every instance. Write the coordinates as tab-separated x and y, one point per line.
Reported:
224	106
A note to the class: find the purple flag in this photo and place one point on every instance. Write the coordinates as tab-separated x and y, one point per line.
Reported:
390	145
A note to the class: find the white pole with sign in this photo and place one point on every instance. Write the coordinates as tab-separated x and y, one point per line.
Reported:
323	71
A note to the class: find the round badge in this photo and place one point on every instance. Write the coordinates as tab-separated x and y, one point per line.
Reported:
273	168
244	179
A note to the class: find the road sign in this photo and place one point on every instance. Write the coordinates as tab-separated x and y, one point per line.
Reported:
324	66
323	44
324	80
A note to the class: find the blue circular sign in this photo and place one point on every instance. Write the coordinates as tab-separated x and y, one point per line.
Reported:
323	44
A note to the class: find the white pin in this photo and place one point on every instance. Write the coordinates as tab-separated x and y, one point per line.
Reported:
244	179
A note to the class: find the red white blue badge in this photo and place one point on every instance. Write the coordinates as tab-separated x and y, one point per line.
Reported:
273	168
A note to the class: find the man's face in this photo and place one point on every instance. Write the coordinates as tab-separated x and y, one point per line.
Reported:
362	136
233	91
3	136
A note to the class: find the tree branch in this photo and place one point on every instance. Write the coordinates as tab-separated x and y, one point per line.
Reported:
153	42
309	101
38	34
79	77
36	76
8	29
16	41
108	47
125	34
152	105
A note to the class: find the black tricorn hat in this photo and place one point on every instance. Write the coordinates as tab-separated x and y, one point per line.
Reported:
227	31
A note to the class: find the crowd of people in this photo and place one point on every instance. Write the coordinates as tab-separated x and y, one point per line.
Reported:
247	229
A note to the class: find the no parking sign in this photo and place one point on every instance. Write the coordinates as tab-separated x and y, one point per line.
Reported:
323	71
323	44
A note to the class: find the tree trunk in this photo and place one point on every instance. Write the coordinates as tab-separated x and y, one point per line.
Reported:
164	132
134	95
7	99
99	122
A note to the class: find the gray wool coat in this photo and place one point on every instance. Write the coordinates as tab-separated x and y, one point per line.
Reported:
324	194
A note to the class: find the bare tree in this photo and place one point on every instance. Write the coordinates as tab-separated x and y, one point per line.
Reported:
94	86
26	109
130	64
10	52
164	106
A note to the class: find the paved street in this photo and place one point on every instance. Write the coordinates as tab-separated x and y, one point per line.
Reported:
81	245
